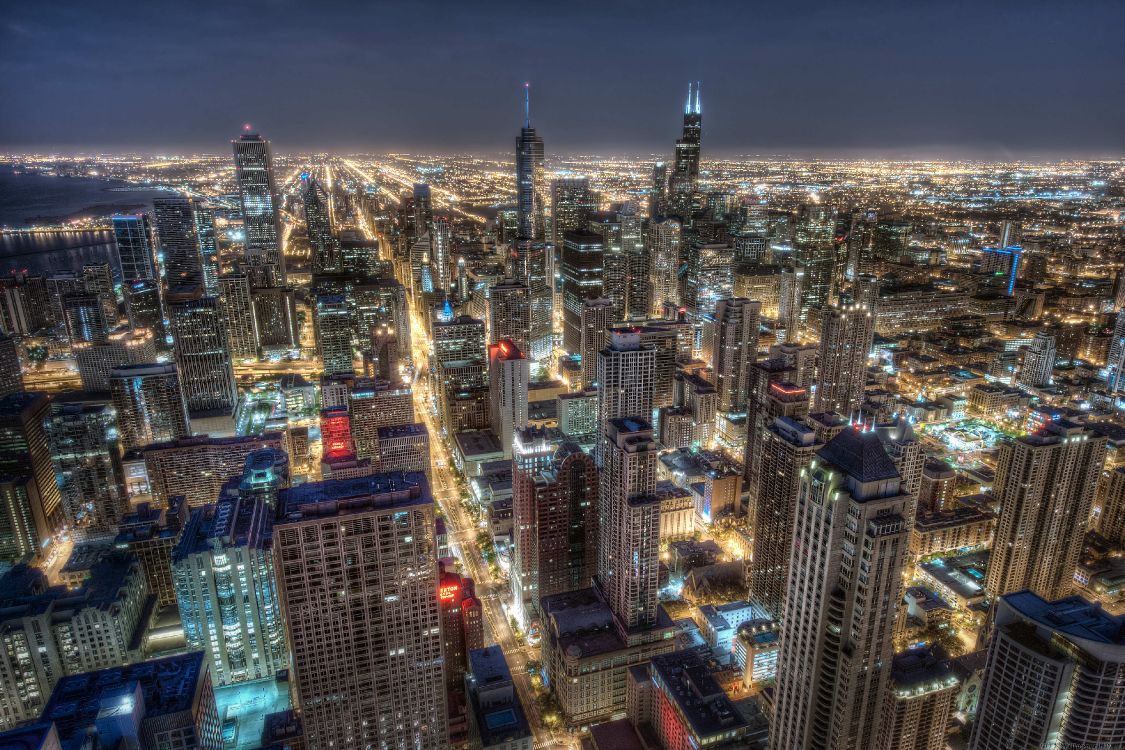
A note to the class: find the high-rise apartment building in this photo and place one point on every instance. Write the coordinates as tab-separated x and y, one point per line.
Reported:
208	244
572	202
51	632
626	376
23	530
150	404
786	451
202	352
734	348
509	313
509	375
198	467
357	575
82	438
814	252
596	319
554	519
253	168
1053	677
1045	485
459	339
845	341
1039	361
145	306
11	374
662	243
24	451
120	348
629	523
850	537
919	703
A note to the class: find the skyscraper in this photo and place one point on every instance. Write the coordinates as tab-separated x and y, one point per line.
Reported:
596	319
87	459
554	519
509	374
136	247
334	334
179	242
572	202
318	219
626	376
144	303
1115	362
150	404
509	313
786	449
529	178
662	243
629	523
202	352
815	253
1053	677
24	451
849	542
917	707
735	348
846	337
581	268
23	530
683	183
1045	486
253	167
1039	361
208	245
238	314
357	574
227	594
11	376
85	318
122	347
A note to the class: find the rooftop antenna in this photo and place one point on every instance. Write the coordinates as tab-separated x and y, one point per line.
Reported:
527	105
698	104
687	107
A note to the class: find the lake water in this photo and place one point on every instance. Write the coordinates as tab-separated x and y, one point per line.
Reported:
30	199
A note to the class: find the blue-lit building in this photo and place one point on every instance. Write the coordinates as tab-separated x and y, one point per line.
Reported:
225	586
136	247
1003	262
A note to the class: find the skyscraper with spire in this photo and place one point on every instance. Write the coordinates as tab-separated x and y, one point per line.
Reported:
684	180
529	176
529	252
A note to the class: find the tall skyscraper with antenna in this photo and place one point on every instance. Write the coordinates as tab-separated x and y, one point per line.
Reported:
253	166
529	254
684	180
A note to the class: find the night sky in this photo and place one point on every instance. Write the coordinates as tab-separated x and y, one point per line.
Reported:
991	79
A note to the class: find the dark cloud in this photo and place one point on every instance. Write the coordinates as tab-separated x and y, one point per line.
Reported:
957	77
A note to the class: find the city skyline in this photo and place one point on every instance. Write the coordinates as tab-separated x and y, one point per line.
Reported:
775	81
334	452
